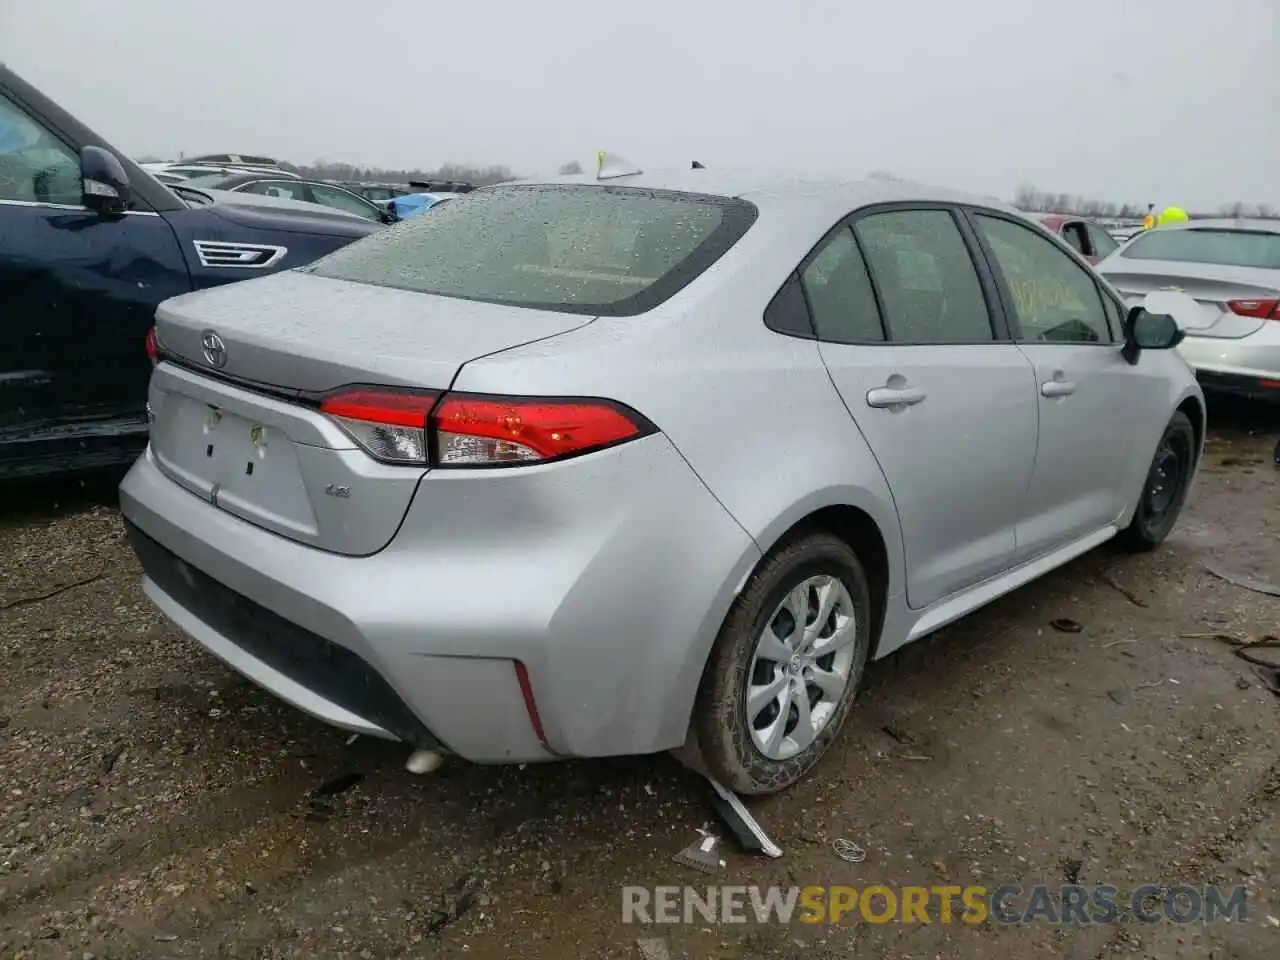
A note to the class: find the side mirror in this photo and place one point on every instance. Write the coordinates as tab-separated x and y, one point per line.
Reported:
104	184
1145	330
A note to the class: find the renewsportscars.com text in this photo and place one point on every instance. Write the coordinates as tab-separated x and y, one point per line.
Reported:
877	903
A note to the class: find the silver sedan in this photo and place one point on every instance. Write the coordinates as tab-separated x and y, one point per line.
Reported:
615	465
1232	268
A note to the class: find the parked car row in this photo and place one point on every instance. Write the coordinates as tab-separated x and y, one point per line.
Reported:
563	391
269	184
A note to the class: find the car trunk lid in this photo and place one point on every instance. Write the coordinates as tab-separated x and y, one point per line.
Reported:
1211	285
247	434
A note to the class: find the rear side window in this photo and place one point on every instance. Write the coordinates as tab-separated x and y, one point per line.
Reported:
602	250
928	285
839	292
1231	248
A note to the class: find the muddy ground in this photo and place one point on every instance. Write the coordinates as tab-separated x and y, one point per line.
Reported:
152	804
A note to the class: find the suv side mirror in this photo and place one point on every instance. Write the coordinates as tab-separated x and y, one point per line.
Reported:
105	185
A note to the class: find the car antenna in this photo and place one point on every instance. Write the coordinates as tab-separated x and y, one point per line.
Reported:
697	166
610	167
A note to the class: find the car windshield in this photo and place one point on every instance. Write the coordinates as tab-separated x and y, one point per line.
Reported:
1233	248
603	250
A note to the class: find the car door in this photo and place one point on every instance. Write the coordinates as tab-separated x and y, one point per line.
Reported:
915	343
1094	408
1077	238
77	293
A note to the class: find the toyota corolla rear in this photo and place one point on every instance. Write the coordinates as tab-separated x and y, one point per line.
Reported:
1233	269
487	575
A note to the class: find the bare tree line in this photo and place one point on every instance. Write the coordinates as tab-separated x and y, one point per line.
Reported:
326	170
1035	201
1027	197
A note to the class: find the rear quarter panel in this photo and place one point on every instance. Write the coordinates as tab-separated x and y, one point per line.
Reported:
754	414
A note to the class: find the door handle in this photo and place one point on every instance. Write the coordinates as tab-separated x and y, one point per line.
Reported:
882	397
1057	388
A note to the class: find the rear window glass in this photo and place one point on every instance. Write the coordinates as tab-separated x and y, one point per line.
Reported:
1232	248
603	250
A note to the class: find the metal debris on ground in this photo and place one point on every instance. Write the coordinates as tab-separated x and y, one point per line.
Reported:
653	948
340	784
1123	591
1242	581
745	827
1065	625
848	850
702	854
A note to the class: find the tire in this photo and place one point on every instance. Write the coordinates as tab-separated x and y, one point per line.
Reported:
1165	490
730	745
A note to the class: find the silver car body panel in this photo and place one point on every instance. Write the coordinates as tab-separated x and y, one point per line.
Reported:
609	575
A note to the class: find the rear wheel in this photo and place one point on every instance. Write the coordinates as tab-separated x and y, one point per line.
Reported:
1166	487
785	667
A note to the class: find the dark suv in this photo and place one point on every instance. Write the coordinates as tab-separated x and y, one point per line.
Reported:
89	246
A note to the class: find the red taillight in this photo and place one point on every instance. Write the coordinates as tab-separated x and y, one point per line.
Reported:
1265	309
391	425
468	430
153	354
475	430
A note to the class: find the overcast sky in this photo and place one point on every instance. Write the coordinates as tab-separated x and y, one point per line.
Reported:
1165	101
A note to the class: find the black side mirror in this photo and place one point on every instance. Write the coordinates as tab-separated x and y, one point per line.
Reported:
104	184
1149	331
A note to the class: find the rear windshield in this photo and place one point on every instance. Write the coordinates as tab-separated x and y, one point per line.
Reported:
601	250
1231	248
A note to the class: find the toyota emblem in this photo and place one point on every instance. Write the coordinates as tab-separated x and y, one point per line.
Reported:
215	351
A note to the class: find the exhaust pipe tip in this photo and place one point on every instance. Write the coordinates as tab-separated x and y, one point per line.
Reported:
424	761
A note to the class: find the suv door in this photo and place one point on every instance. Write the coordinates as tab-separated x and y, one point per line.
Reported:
1094	407
914	341
77	294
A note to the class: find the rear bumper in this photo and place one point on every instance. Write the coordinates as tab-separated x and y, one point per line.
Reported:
607	577
1256	388
1249	365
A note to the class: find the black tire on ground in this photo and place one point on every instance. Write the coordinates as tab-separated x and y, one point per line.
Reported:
724	746
1165	490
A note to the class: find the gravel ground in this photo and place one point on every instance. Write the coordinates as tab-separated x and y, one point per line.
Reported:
153	804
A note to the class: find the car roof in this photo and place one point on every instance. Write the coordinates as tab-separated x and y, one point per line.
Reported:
804	198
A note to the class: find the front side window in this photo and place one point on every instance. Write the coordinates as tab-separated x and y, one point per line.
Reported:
281	189
1054	297
838	288
35	166
928	285
598	250
346	202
